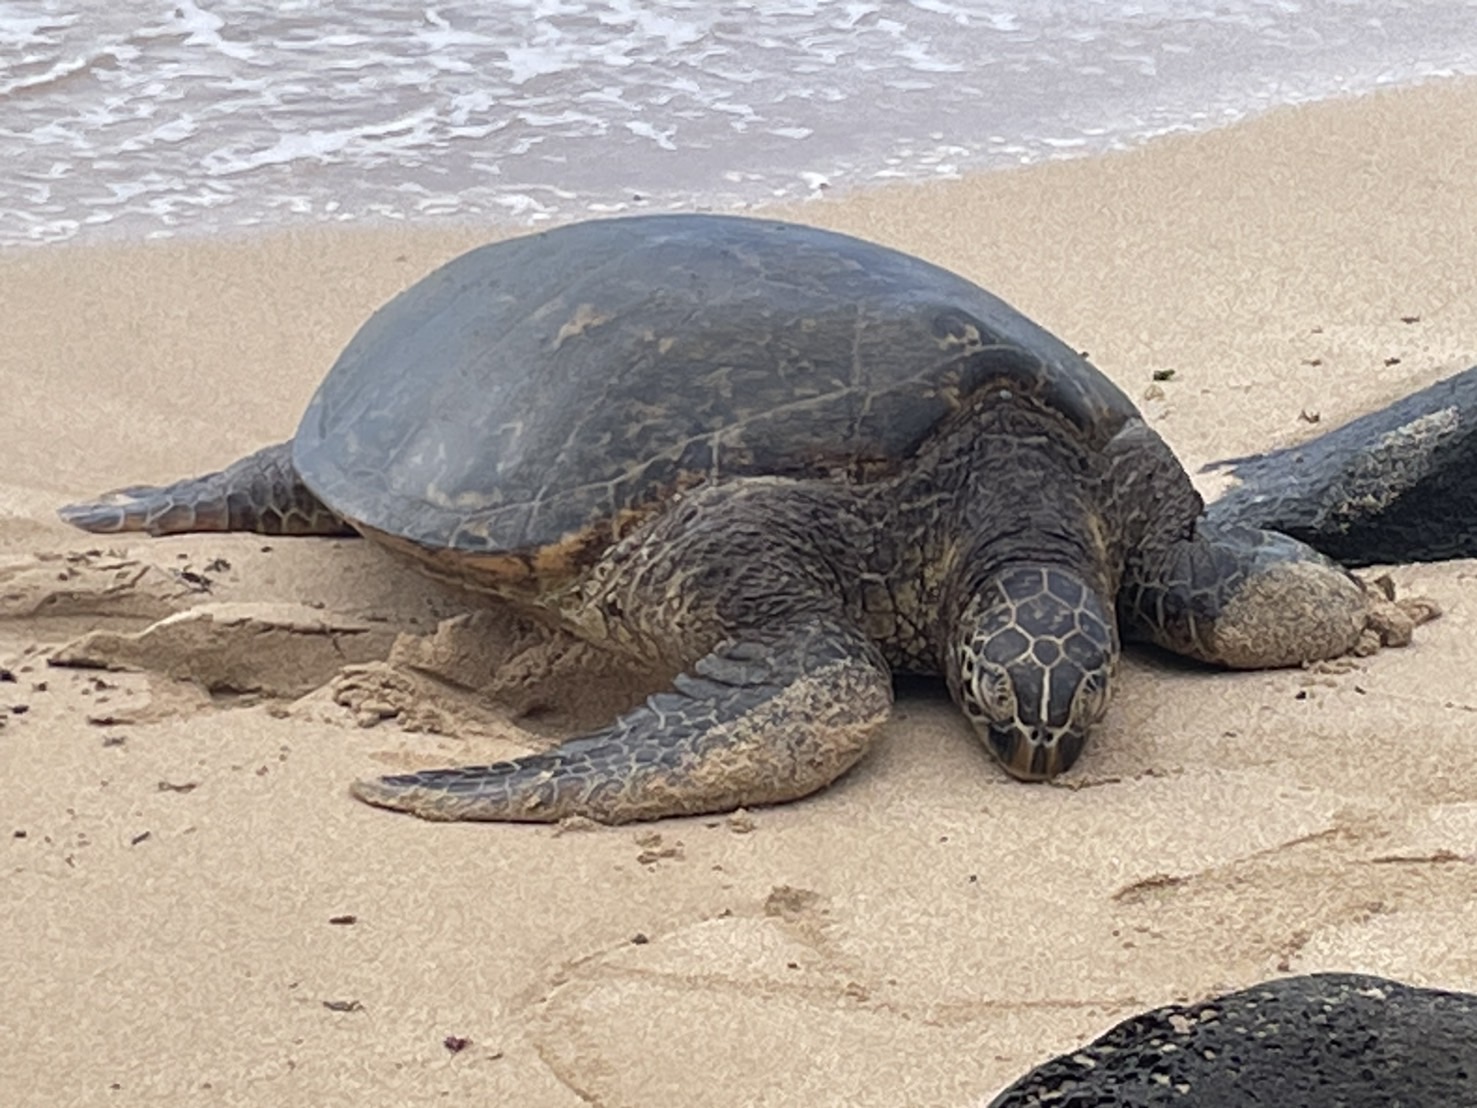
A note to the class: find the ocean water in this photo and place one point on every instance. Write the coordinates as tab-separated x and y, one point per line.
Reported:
148	119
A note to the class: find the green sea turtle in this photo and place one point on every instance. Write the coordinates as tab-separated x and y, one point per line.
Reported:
785	463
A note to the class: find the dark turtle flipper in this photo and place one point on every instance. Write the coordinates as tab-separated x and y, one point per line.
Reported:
261	492
1397	485
760	720
1246	598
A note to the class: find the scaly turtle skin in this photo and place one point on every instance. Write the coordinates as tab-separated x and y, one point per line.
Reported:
1397	485
784	462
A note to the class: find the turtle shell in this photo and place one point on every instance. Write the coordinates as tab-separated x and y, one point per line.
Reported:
536	396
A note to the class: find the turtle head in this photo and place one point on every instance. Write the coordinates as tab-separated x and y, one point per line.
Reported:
1031	666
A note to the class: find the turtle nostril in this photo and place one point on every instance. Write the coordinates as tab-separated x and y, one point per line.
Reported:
1034	752
1025	752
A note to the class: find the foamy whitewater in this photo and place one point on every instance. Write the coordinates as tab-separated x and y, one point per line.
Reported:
145	119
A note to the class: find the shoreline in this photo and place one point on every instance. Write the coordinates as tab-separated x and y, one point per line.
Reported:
488	227
927	154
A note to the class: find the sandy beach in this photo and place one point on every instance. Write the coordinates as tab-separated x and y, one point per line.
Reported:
196	911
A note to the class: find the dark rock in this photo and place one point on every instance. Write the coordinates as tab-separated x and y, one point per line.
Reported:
1397	485
1323	1041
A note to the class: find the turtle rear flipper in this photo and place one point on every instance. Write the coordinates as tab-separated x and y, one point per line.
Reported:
262	493
763	719
1246	598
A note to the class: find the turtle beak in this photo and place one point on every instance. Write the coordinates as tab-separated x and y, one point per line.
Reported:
1034	753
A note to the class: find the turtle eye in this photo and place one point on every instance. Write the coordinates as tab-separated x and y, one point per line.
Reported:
1001	692
1090	701
993	693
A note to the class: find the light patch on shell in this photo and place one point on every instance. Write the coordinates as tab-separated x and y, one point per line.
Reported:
961	335
516	574
585	317
461	503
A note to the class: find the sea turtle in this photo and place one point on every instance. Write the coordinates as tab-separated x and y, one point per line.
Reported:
785	463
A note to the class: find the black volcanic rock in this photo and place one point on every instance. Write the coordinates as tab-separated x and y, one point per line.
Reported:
1323	1041
1397	485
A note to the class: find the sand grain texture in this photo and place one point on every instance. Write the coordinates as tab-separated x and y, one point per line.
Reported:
178	843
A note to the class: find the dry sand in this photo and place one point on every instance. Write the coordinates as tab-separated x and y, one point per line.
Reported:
196	912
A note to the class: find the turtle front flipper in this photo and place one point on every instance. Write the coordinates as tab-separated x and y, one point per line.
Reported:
262	493
760	720
1246	598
